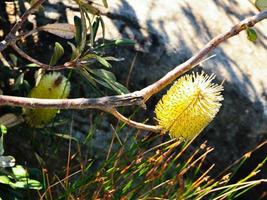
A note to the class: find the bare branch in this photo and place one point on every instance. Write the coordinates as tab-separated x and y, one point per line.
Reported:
42	65
102	103
134	124
196	59
11	37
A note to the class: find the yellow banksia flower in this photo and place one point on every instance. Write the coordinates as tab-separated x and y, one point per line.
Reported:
189	106
51	86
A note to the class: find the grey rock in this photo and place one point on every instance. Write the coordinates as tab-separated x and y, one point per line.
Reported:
171	31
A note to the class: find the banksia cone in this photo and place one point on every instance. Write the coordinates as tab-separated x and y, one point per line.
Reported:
51	86
189	106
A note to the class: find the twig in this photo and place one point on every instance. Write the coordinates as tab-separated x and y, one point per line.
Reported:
139	97
11	37
193	61
132	123
102	103
130	71
42	65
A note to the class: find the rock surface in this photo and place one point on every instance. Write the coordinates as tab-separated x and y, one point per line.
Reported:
171	31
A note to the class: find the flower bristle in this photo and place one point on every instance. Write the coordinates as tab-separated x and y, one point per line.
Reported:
189	105
51	86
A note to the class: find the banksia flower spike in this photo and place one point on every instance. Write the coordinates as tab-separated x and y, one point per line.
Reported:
51	86
189	106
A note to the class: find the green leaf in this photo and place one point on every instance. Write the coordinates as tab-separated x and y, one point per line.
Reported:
14	59
103	74
32	65
88	77
19	81
251	35
75	51
120	89
109	80
103	61
105	3
19	172
58	53
120	42
26	183
4	180
78	25
89	8
127	186
103	28
98	58
112	85
95	27
115	43
84	31
3	129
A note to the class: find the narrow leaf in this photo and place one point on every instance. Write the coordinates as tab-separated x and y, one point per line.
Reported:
105	3
251	35
95	27
58	53
103	28
32	65
19	172
78	26
103	62
84	31
103	74
27	184
14	59
4	179
2	150
124	42
63	30
98	58
91	9
115	43
74	51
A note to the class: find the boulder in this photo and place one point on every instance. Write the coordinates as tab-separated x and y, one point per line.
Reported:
171	31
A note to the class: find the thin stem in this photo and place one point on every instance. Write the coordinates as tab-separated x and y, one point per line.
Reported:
11	38
42	65
134	124
197	58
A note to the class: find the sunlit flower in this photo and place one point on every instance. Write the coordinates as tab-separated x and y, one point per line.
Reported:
51	86
189	106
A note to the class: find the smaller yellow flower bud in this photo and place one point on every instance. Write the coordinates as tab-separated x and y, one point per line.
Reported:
189	106
51	86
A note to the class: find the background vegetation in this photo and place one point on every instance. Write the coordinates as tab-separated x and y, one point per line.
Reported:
65	159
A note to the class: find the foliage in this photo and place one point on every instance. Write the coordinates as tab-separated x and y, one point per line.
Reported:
15	176
136	166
